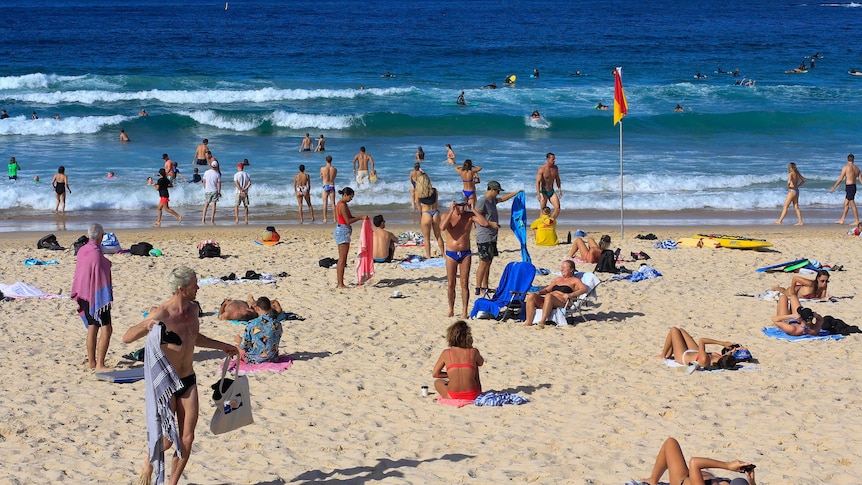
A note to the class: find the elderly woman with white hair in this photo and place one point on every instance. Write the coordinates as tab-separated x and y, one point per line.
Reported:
93	290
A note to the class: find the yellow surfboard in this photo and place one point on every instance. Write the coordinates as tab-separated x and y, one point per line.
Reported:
697	242
735	242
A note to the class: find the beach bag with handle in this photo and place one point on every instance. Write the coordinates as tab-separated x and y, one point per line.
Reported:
233	406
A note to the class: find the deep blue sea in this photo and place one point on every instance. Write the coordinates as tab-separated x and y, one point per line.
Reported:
255	77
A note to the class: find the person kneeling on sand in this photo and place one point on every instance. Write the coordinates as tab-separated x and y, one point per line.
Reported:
555	295
670	459
460	380
384	241
259	341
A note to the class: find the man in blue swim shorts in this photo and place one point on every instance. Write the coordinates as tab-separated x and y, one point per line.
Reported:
457	224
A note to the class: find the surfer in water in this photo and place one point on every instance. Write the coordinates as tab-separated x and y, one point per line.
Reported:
490	86
460	101
510	79
536	115
601	106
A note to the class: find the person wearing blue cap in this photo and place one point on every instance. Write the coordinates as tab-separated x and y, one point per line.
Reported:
457	224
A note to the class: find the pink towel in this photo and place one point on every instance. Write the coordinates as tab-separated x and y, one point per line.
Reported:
458	403
278	365
92	281
365	263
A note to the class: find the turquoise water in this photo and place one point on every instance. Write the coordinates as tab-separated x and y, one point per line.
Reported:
255	78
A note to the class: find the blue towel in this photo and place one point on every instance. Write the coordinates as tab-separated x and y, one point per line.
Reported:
666	244
499	399
645	272
518	223
428	263
37	262
776	332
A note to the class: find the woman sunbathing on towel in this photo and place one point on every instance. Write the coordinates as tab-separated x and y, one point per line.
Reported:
555	295
798	321
590	251
670	459
242	311
681	347
460	380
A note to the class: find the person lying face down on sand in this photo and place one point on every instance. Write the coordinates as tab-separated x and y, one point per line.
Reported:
681	347
590	251
460	380
555	295
670	459
801	321
243	311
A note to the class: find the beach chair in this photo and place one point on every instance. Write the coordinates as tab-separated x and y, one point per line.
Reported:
516	280
588	299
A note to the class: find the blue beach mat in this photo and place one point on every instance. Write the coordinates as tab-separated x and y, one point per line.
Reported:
38	262
122	376
775	332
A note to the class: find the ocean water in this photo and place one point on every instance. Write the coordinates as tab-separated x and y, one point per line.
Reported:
256	77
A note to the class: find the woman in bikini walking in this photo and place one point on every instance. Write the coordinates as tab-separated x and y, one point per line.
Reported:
460	380
302	189
470	177
794	181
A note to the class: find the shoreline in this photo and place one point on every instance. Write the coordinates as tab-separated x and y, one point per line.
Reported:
568	220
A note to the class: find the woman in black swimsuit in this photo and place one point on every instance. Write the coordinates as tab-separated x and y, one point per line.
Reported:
555	295
671	459
60	182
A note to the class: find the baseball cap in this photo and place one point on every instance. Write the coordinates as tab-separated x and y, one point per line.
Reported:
214	164
494	185
460	199
239	165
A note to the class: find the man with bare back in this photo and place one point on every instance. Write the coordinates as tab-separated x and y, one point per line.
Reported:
849	174
327	178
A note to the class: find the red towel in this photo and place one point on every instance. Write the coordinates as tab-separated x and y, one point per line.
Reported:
365	261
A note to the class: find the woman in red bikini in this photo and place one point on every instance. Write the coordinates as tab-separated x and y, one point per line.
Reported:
460	380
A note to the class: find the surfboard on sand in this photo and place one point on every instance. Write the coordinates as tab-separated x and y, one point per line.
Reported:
122	376
697	242
780	265
736	242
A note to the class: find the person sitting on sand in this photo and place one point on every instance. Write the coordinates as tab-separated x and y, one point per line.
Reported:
670	459
555	295
259	341
384	241
681	347
460	380
240	310
590	251
802	321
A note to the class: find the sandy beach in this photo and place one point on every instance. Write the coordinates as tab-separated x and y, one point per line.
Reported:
349	410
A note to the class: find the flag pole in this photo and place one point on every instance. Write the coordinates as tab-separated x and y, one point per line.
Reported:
622	198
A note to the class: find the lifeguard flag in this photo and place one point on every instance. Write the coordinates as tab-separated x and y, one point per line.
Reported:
621	108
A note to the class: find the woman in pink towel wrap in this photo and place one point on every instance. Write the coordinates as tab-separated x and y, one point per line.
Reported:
93	291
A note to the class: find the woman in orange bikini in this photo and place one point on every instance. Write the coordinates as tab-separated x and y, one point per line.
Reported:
460	380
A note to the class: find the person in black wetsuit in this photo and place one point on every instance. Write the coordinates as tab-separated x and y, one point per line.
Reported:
555	295
162	186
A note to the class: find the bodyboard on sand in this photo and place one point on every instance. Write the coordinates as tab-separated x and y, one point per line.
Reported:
780	265
266	243
793	267
736	242
122	376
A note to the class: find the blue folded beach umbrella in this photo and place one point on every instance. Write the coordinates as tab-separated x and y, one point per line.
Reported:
518	223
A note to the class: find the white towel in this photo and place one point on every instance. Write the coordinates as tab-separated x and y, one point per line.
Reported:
160	383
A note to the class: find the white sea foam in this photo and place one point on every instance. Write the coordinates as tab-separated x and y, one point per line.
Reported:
20	125
33	81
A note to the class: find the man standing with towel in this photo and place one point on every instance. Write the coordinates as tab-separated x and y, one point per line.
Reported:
93	290
486	237
179	315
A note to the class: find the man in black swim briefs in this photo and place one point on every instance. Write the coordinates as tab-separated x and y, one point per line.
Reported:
849	174
180	315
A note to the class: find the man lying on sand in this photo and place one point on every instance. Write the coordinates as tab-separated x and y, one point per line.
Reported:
243	311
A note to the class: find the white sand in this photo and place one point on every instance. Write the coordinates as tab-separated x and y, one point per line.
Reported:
350	411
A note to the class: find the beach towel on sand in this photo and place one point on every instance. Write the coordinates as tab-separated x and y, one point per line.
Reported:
279	364
365	262
673	363
93	281
487	399
775	332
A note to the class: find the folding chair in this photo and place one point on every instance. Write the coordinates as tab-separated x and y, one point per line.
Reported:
588	299
516	280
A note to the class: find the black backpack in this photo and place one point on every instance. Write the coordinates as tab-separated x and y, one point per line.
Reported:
49	242
209	250
141	249
83	240
607	263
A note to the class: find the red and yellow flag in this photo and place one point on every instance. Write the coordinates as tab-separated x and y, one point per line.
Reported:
621	108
